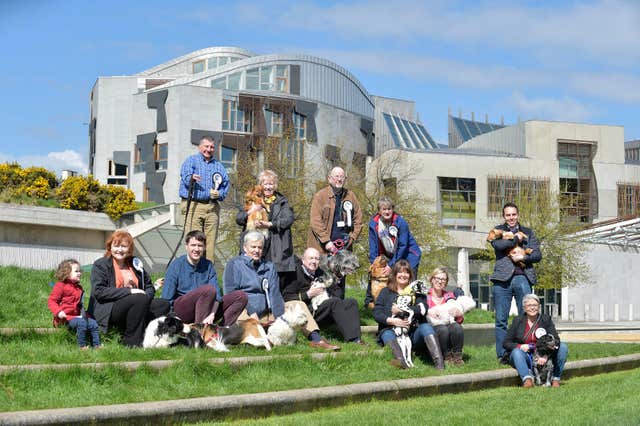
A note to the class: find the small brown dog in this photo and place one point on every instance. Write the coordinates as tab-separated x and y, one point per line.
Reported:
377	278
256	196
496	234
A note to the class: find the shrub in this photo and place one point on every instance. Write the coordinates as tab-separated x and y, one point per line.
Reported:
11	175
81	193
119	201
39	188
32	174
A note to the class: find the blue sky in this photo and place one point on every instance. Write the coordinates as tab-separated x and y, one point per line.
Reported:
556	60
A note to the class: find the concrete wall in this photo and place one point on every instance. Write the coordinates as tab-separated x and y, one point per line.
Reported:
614	272
40	237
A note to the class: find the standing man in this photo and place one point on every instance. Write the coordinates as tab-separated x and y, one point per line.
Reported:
191	286
335	219
210	186
513	274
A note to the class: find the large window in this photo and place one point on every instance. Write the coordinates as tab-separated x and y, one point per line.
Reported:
458	202
118	173
234	118
578	196
272	78
252	79
292	156
282	78
234	81
504	189
138	163
300	126
628	199
228	158
198	67
480	287
273	122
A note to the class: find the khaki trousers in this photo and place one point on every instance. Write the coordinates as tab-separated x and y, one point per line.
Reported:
203	217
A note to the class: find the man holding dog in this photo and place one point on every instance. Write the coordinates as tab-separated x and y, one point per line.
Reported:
335	219
191	286
343	313
509	278
203	184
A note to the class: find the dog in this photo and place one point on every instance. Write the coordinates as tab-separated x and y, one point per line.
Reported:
256	196
325	281
218	337
377	278
447	312
546	345
283	330
404	302
167	331
496	234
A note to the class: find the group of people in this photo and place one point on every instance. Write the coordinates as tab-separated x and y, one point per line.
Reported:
266	276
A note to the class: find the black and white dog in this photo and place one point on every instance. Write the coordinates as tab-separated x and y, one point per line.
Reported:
546	346
167	331
404	303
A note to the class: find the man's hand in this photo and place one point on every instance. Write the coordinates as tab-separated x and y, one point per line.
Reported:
524	348
330	247
196	177
507	235
62	315
516	257
542	360
315	290
158	283
210	318
214	194
521	235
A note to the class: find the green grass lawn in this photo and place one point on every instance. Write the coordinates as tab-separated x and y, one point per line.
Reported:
606	399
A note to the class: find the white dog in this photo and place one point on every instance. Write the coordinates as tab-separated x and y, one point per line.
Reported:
403	302
165	331
324	281
447	312
283	330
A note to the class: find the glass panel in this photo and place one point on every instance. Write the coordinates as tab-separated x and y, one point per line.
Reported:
198	67
265	78
233	59
212	63
227	158
253	79
392	130
219	83
163	149
405	138
222	61
234	81
458	202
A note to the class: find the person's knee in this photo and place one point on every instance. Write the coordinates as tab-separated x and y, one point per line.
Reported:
209	290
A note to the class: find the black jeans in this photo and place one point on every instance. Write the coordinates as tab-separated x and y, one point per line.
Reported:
450	337
132	313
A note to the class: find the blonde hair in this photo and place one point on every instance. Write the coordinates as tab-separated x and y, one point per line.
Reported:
439	270
266	174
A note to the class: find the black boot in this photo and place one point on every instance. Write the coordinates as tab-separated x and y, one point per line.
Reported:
398	358
434	351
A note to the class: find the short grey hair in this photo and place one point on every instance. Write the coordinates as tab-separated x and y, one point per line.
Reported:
528	297
252	236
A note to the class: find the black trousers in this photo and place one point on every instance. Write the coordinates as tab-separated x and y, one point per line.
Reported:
450	337
132	313
343	313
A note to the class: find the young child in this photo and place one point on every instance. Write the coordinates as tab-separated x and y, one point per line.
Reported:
65	302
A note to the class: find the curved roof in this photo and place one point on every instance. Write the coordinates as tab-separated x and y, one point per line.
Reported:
194	55
261	59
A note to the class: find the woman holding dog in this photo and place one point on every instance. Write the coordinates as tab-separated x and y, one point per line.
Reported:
389	236
450	336
278	247
122	294
520	342
389	316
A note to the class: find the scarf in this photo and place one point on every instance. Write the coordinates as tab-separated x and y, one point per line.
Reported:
388	240
120	276
268	201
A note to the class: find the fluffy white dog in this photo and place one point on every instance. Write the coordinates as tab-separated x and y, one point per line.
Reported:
283	330
447	312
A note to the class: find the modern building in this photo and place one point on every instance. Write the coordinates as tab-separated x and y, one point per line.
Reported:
584	163
143	126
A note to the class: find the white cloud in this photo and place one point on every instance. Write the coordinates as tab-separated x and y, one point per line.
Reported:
54	161
562	109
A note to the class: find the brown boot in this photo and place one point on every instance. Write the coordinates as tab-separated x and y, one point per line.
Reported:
398	358
448	359
457	358
434	351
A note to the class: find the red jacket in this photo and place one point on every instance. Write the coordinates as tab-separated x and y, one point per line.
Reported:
65	296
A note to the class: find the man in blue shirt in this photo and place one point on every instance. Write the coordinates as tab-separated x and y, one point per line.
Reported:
191	286
211	184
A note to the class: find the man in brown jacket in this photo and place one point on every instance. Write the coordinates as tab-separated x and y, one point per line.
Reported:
332	229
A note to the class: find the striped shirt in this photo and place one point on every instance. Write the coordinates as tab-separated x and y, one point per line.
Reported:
196	164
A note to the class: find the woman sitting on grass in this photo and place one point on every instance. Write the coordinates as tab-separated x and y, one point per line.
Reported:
386	314
65	302
122	292
450	336
521	338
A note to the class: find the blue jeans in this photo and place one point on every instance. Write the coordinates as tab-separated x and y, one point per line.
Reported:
81	325
520	361
417	336
503	291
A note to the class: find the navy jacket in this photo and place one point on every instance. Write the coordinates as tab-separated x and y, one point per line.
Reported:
515	333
